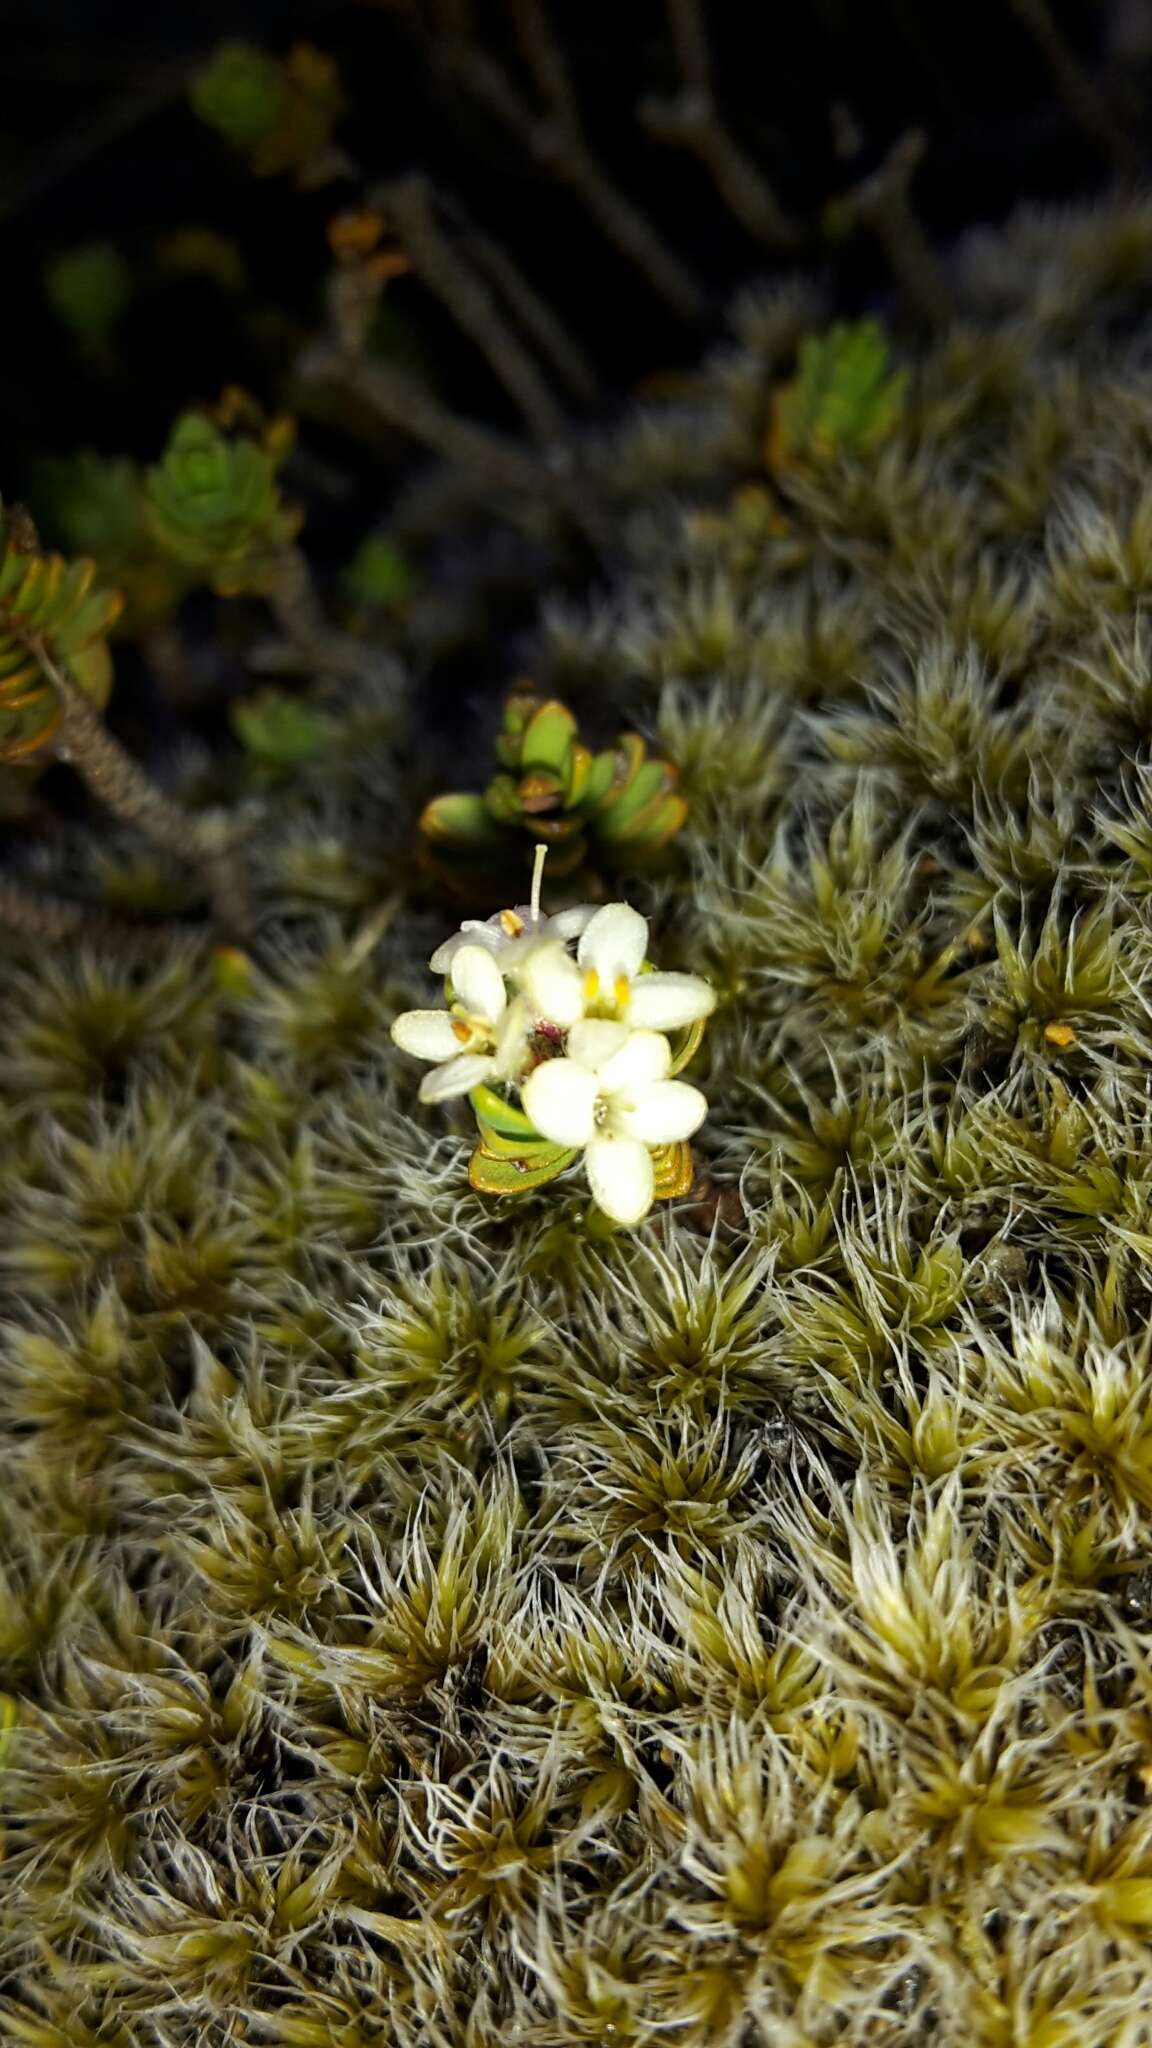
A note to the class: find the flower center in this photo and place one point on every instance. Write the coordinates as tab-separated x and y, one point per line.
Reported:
597	1002
545	1042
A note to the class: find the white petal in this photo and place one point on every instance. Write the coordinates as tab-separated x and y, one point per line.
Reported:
478	983
594	1042
662	1002
552	984
512	1040
456	1078
614	943
568	924
560	1099
641	1058
621	1177
473	932
661	1114
429	1034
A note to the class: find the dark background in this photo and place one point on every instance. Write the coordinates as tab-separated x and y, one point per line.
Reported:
96	139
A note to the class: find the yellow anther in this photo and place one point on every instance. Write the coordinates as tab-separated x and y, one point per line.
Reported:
461	1030
591	985
622	989
510	924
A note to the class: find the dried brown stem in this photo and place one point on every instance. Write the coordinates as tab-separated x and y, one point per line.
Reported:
545	59
693	121
297	610
293	602
881	202
1088	106
535	317
411	208
405	405
309	644
208	839
556	139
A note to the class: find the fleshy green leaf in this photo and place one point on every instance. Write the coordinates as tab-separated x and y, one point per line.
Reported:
502	1116
379	574
844	397
460	819
279	729
88	287
491	1176
547	739
647	786
672	1165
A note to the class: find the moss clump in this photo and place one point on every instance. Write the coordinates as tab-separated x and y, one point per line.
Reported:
434	1621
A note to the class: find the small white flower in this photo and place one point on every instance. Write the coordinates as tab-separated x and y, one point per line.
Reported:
482	1037
605	979
611	1096
512	934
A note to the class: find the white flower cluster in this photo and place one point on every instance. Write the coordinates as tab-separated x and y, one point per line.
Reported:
580	1037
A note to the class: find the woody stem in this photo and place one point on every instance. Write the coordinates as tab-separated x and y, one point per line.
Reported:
208	839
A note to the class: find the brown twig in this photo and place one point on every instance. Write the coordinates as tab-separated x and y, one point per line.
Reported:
693	121
309	645
1088	106
534	316
405	405
208	839
556	139
411	209
312	643
882	204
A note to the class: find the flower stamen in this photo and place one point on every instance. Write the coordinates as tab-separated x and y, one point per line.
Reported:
539	859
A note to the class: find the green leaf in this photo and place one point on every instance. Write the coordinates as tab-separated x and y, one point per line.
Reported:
460	819
509	1177
599	779
580	764
9	1720
627	758
214	502
379	574
651	828
88	287
537	1153
241	92
650	782
672	1165
843	398
689	1046
45	598
548	738
279	729
502	798
503	1116
659	822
